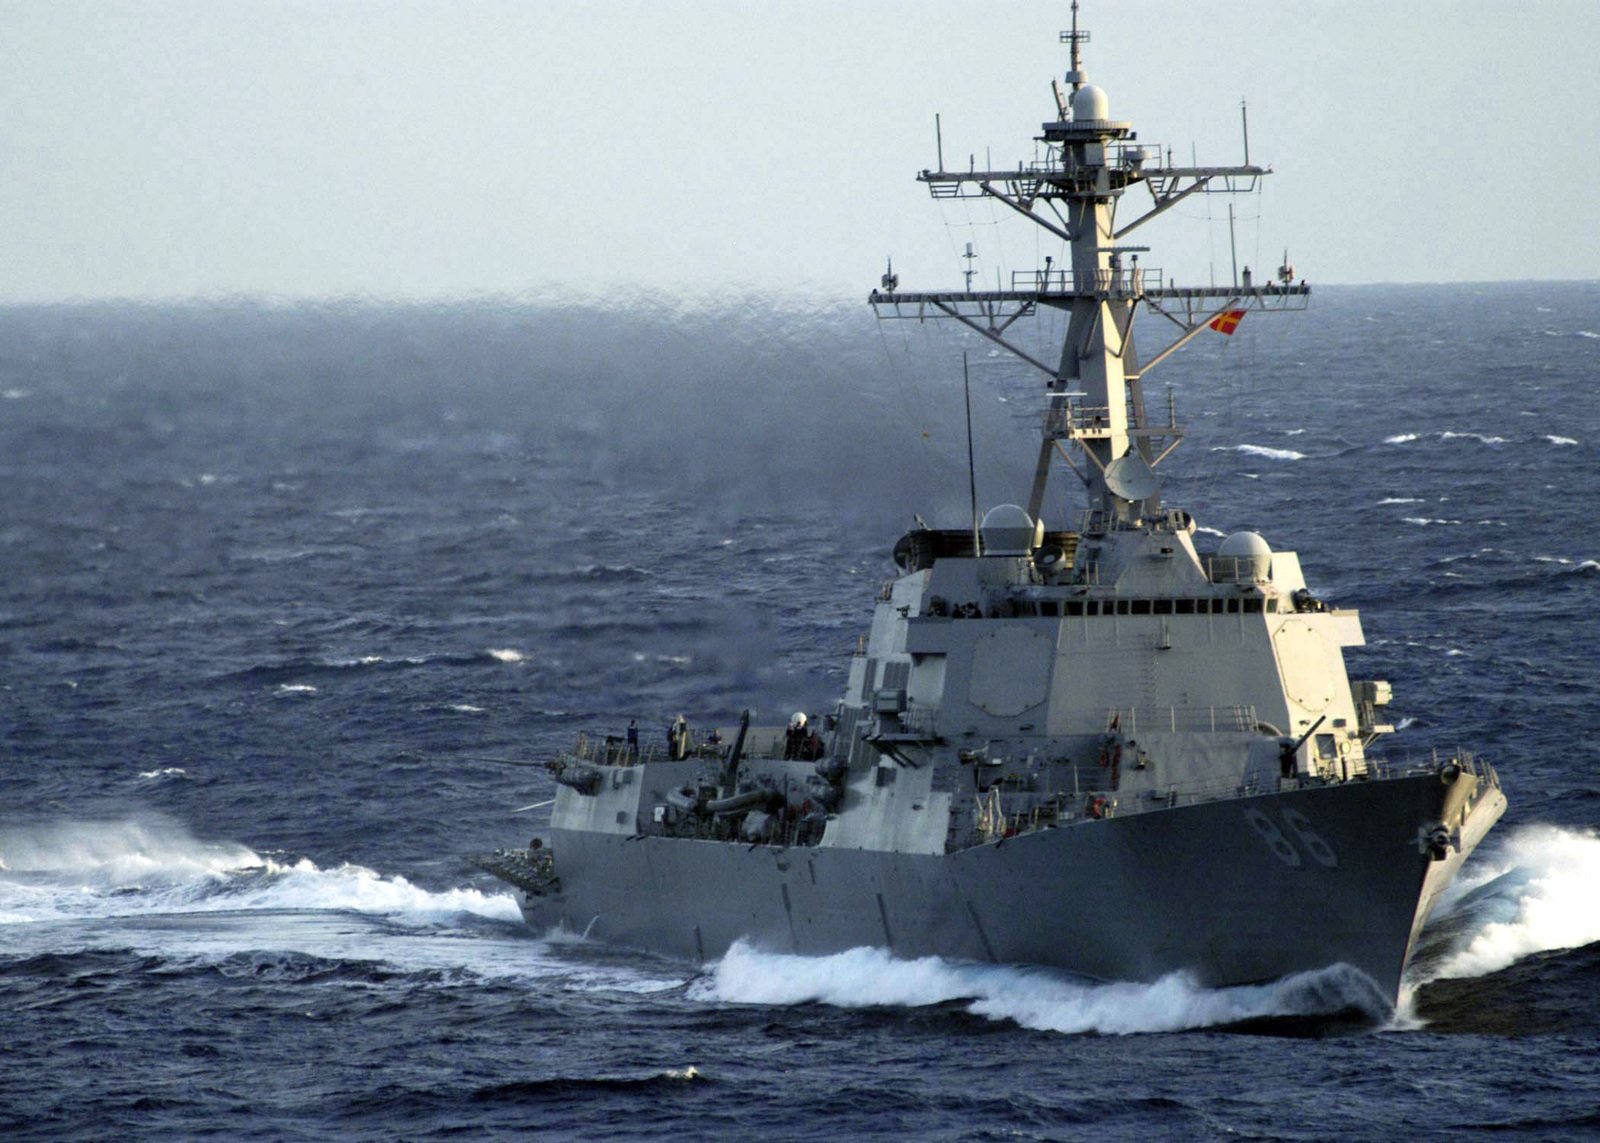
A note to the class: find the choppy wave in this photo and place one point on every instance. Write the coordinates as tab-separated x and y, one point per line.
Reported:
1490	439
1494	571
290	675
1038	999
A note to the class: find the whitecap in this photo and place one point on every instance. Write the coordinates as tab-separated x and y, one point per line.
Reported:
1400	438
1481	438
296	689
1401	500
672	660
505	655
465	708
1262	451
1589	333
362	661
1555	440
165	772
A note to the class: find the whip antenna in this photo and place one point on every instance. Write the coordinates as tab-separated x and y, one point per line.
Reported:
972	472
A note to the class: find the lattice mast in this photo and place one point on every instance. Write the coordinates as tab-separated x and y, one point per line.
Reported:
1094	395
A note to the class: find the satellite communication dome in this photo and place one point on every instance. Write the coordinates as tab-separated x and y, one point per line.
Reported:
1008	530
1090	102
1251	553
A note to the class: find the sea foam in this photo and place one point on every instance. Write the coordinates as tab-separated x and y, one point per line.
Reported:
133	867
1532	894
1040	999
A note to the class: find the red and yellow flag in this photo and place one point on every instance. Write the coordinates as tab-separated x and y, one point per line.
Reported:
1227	321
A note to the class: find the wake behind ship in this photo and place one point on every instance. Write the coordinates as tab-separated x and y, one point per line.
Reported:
1099	748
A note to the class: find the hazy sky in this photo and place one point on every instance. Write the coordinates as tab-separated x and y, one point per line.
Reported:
465	147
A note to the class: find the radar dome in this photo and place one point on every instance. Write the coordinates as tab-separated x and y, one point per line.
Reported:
1251	555
1008	530
1090	102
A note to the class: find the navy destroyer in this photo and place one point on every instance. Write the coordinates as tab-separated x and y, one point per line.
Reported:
1102	748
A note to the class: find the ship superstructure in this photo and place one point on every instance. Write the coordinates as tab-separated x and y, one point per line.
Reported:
1100	748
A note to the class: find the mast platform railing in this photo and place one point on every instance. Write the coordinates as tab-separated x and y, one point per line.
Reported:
1114	282
1066	417
1030	287
1069	418
1128	164
1190	306
1266	294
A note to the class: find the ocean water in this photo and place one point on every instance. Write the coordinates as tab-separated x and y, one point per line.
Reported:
291	595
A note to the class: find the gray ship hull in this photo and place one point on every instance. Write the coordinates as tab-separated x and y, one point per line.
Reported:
1232	892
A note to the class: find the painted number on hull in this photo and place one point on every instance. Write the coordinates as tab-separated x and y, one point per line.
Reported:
1313	843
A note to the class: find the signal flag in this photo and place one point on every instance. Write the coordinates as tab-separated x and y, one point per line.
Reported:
1227	321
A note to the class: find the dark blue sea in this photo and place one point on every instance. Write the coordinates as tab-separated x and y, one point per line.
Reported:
290	596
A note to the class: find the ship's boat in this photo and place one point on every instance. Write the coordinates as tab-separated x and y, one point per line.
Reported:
1102	748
